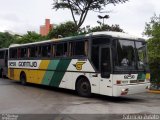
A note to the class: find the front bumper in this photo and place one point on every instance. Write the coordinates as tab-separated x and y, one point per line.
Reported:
120	90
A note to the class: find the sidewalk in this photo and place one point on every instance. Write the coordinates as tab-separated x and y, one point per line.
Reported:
154	91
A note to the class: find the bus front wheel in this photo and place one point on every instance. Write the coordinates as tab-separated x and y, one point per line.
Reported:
23	79
83	87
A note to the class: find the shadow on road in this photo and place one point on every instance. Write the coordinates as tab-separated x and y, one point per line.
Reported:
124	99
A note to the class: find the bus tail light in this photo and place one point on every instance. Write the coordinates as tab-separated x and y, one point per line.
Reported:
118	82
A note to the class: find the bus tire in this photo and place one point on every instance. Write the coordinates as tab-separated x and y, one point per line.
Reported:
23	78
83	87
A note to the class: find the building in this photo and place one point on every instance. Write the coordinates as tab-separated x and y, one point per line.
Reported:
44	29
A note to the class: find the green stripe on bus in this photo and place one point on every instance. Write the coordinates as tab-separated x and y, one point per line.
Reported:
59	73
49	74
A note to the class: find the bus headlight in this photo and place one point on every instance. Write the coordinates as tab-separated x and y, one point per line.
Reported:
124	91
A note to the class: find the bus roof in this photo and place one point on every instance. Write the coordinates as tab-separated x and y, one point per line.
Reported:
107	33
117	35
1	49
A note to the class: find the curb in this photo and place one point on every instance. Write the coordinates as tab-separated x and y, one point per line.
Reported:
154	91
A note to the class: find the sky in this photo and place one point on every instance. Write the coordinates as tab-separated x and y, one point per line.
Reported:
20	16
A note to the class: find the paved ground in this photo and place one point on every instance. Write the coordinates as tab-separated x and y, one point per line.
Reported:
35	99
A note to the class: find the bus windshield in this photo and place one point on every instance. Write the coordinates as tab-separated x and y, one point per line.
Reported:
141	55
129	55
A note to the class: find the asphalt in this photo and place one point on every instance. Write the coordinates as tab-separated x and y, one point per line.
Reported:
37	99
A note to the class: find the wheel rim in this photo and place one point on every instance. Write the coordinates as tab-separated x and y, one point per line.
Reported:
84	87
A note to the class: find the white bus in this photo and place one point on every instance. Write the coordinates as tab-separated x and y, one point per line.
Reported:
106	63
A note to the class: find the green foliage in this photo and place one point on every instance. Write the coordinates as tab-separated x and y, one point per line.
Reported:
65	29
69	29
5	39
82	7
152	30
28	38
104	28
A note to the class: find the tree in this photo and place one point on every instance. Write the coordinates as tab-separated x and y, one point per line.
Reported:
82	7
64	30
6	39
152	30
105	28
28	38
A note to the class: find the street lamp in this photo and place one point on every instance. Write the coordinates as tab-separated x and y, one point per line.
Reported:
103	17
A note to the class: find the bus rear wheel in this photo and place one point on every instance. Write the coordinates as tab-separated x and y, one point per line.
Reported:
23	79
83	87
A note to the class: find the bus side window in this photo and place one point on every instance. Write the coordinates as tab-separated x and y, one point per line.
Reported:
32	51
61	50
36	51
23	52
6	58
19	52
46	50
53	50
79	48
6	55
1	54
28	51
39	49
71	48
13	53
86	48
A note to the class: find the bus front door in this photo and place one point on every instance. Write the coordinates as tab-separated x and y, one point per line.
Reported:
105	67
